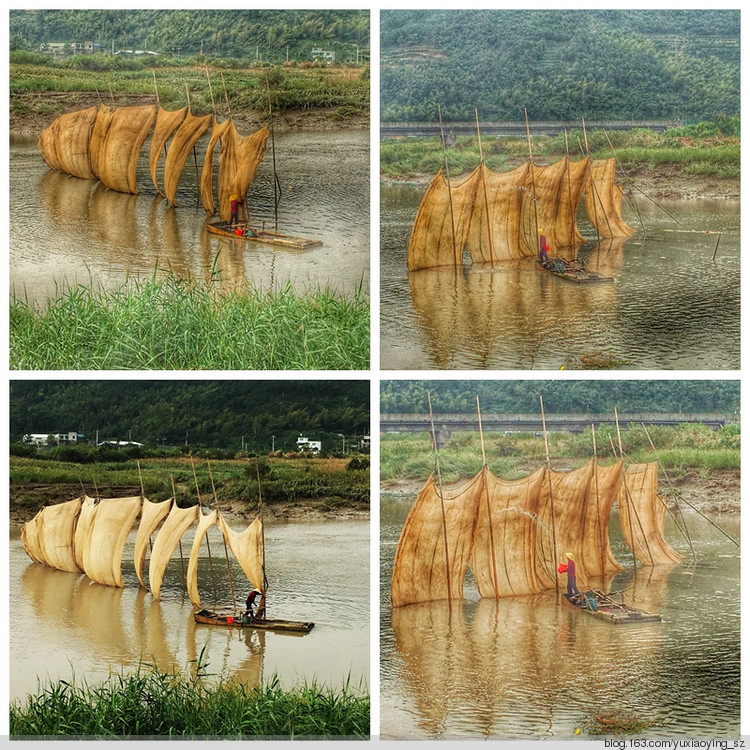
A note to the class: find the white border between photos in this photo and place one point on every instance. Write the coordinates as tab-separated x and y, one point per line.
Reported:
375	375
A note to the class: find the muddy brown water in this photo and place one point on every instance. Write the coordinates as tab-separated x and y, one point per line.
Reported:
65	231
318	571
672	306
534	668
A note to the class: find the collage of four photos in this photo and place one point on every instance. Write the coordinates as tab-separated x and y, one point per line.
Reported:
374	375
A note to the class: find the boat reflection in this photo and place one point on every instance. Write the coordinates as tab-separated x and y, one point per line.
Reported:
482	662
126	627
486	309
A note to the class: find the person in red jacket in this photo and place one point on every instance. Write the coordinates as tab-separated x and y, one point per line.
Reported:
234	207
250	602
570	569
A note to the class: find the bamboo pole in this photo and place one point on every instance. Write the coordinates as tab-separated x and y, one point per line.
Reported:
484	187
489	506
448	183
262	603
182	559
598	506
226	95
627	181
208	546
226	551
156	88
571	206
632	512
676	494
210	91
594	193
551	499
273	154
718	239
533	183
442	507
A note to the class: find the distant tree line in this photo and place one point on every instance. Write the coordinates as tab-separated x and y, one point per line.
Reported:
239	34
226	414
560	64
581	397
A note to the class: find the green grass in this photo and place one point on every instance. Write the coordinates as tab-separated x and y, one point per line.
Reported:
170	323
336	88
682	448
701	150
153	703
330	481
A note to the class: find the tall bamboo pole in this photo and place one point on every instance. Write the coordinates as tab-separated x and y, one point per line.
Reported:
182	557
442	507
448	183
273	154
628	182
484	187
208	545
262	603
226	551
598	511
594	193
533	184
571	206
632	512
489	506
551	499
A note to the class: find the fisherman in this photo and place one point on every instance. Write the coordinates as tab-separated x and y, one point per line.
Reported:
570	569
250	603
234	205
543	249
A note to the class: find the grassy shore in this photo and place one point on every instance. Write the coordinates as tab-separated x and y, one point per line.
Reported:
150	703
682	449
706	150
41	89
287	484
169	323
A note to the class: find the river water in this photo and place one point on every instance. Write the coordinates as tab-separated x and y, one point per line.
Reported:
534	668
317	571
65	231
672	306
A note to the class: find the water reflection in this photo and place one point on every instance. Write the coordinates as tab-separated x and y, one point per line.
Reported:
533	667
92	630
484	309
82	233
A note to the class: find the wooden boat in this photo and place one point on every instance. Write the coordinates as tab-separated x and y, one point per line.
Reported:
598	604
574	271
206	617
261	235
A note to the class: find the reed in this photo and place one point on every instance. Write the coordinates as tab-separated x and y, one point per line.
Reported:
151	703
169	323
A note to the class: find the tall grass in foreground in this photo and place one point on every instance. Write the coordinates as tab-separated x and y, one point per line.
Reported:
153	703
174	324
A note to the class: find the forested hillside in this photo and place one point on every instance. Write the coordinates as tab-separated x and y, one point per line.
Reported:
522	396
216	414
216	33
560	64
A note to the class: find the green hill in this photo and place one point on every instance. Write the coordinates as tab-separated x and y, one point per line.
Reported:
560	64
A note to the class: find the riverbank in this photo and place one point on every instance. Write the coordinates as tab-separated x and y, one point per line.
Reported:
715	493
294	489
665	181
35	112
